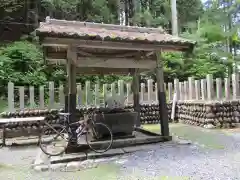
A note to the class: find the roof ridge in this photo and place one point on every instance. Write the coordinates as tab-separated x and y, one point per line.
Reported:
59	22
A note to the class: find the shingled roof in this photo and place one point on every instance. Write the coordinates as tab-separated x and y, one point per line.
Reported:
108	32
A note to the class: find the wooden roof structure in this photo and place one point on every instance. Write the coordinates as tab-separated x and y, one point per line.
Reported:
105	48
93	48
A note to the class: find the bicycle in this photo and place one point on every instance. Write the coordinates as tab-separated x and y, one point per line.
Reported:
87	126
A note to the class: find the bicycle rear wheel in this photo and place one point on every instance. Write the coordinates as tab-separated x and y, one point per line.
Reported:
53	140
99	143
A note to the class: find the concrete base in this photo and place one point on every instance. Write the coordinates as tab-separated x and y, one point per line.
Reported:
92	155
141	136
80	161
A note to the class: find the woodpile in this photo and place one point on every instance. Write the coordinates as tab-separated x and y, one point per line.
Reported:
215	114
224	114
149	114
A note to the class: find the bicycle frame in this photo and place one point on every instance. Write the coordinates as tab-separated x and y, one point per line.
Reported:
68	126
58	133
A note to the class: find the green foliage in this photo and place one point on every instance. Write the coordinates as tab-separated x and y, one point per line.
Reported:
11	5
22	63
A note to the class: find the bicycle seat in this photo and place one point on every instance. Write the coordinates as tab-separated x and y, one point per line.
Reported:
64	114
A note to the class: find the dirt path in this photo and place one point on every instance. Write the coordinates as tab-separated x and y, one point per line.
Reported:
217	157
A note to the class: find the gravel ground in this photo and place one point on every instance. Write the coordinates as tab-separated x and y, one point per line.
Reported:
164	160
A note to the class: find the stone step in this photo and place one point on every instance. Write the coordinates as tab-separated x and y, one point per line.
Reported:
83	156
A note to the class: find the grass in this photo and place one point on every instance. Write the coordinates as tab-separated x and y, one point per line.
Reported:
208	138
5	166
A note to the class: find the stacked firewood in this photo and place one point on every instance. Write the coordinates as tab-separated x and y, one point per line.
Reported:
227	113
149	114
209	114
51	117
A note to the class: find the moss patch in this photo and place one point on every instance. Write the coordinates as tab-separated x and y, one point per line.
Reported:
208	138
5	166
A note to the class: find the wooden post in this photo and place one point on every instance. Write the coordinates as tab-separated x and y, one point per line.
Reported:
128	92
66	98
61	96
31	94
227	88
163	111
51	95
105	92
136	103
72	91
209	87
204	89
142	92
176	88
191	87
11	97
121	88
113	90
185	90
219	88
197	89
156	93
235	85
96	91
21	97
79	95
150	89
41	97
87	93
181	94
170	91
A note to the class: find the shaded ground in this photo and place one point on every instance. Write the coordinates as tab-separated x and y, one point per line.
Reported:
215	156
3	105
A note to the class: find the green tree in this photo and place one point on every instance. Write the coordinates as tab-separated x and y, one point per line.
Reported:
21	63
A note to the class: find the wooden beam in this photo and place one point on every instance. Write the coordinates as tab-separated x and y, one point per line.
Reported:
102	71
113	55
163	111
115	63
113	45
109	63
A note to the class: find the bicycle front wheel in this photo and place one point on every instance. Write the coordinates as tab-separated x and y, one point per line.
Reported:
53	140
99	138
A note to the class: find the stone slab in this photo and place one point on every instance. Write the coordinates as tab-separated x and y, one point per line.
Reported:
83	156
237	125
68	158
109	153
58	167
41	158
41	168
